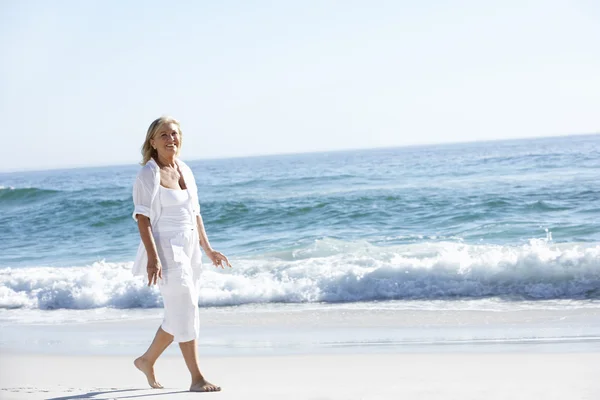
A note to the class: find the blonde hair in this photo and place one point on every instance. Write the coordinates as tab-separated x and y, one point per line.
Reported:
147	151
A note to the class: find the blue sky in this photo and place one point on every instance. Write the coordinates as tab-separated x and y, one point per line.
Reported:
80	81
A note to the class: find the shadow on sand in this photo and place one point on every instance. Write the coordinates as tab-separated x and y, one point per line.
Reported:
112	394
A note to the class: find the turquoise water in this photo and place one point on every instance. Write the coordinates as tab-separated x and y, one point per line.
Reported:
511	219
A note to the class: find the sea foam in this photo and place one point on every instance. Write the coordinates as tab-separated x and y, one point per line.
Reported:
331	271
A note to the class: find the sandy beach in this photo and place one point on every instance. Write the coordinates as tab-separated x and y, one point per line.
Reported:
350	376
333	352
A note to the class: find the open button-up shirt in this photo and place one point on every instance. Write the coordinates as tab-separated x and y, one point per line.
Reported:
147	202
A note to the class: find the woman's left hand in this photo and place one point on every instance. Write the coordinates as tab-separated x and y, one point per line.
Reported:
218	259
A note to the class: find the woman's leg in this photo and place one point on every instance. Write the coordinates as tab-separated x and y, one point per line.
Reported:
146	362
190	355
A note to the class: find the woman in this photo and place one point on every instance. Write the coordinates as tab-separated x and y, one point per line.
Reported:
171	228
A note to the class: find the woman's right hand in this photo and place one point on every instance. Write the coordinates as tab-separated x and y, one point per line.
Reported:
154	270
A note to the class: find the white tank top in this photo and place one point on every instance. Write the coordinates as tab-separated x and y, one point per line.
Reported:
175	214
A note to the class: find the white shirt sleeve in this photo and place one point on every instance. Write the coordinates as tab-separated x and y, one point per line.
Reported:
190	181
142	194
195	201
197	205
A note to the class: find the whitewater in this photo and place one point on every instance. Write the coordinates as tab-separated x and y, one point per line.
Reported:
331	272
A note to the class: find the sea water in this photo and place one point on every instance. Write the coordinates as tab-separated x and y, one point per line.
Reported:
491	226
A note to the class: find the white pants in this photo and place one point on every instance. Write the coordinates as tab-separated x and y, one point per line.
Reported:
180	257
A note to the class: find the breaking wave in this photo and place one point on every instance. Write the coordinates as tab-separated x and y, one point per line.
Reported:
331	271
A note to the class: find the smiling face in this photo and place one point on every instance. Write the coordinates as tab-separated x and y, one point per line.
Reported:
167	140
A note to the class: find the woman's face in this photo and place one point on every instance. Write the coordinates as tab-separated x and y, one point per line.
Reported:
166	140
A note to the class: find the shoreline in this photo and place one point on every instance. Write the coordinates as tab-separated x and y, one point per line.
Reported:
292	331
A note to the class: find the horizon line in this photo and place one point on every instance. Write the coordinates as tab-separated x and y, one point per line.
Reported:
119	164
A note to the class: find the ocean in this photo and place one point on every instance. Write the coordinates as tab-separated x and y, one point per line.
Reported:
489	226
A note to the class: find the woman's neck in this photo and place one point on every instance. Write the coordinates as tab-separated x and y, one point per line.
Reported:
166	161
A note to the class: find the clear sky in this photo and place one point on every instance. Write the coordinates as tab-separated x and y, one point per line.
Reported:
80	81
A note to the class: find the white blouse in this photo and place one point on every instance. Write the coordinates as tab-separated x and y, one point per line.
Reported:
147	202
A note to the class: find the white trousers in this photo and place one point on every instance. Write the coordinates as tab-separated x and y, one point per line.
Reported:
181	260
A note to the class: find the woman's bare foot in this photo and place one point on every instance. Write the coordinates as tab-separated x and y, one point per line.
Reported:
148	370
204	386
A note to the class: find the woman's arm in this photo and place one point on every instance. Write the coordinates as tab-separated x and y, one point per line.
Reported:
216	257
204	243
154	268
